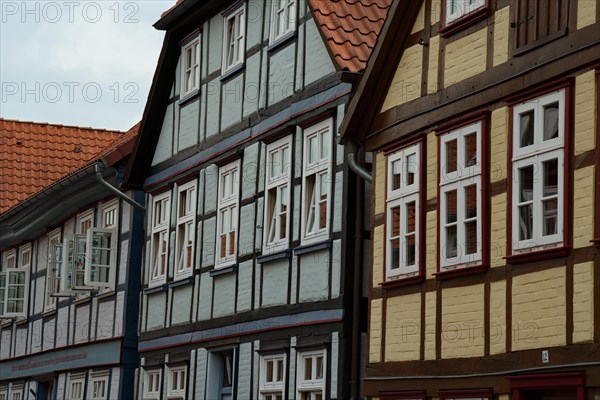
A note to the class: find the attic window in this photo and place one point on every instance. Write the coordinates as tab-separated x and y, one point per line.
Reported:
283	18
459	14
190	67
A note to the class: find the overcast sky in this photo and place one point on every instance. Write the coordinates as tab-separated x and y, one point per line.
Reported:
85	63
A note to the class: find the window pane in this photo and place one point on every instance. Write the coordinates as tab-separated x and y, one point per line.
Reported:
308	368
410	217
451	242
275	164
312	149
269	368
525	222
283	217
526	129
279	370
471	237
550	168
451	206
319	374
411	168
323	185
471	201
451	155
550	217
526	183
551	121
471	149
324	145
395	221
396	174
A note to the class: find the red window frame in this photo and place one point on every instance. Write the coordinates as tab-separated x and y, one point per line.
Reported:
565	249
519	385
483	118
464	21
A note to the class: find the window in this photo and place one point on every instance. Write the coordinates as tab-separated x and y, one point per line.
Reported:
16	392
98	386
311	375
110	214
76	386
190	66
272	377
460	198
403	212
538	173
221	375
234	26
52	284
535	20
283	18
14	283
152	384
277	200
161	212
4	393
101	258
177	380
316	181
227	214
186	212
456	9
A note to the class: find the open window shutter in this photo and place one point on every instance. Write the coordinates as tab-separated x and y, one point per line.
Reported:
101	258
2	293
79	263
17	293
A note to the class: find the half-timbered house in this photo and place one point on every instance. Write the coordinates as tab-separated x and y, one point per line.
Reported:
482	117
70	249
252	261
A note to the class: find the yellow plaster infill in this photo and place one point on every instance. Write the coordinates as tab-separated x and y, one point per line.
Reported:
585	111
539	309
378	267
375	331
380	167
498	317
501	34
403	328
462	322
586	12
430	307
583	305
583	201
465	57
406	85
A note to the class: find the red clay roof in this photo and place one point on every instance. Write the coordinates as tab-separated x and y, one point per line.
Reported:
350	28
33	156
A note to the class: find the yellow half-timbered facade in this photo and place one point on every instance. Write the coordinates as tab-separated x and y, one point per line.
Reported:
482	119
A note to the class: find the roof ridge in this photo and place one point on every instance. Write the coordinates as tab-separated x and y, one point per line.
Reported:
89	128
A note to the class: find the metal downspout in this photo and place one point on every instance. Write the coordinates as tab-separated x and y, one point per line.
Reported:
116	191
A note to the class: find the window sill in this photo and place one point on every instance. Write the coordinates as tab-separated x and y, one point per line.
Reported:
464	21
540	255
226	75
278	255
402	282
224	270
280	41
83	300
181	281
6	324
104	295
20	321
189	97
48	313
156	289
309	248
460	272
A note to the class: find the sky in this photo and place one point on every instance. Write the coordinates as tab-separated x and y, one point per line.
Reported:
83	63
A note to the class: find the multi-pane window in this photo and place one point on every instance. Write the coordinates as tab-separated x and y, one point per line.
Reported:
76	386
234	44
311	375
110	214
283	18
316	181
152	384
98	386
402	213
277	200
190	66
456	9
14	282
177	383
3	393
52	283
272	377
186	211
460	197
538	173
227	214
16	392
161	212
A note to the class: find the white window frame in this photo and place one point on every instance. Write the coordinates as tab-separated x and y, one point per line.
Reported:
185	236
193	69
535	155
401	197
234	48
84	219
316	170
456	9
76	379
314	384
16	392
149	392
276	183
14	278
228	204
54	237
176	392
282	11
4	393
92	262
157	274
464	176
108	209
269	389
98	377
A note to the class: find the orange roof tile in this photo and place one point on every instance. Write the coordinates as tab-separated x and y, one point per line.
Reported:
33	156
350	28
